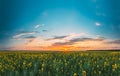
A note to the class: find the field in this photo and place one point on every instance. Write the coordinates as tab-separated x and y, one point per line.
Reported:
60	63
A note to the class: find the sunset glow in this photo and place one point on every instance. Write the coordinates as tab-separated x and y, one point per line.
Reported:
60	25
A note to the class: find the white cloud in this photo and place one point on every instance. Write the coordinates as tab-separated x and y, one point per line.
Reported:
67	38
39	25
74	35
97	24
22	34
88	42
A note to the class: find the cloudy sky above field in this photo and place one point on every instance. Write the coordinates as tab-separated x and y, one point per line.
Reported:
59	24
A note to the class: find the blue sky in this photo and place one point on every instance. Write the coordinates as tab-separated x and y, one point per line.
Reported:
24	21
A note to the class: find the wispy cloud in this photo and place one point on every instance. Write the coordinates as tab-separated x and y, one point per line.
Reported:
29	37
65	38
62	43
38	41
71	41
86	39
98	24
57	37
44	30
75	35
39	25
75	40
114	42
23	33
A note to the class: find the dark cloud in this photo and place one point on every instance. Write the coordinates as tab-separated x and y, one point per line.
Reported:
62	43
29	37
29	41
57	37
87	39
84	47
44	30
114	42
3	48
72	41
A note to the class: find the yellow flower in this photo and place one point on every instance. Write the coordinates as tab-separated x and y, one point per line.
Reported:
42	69
114	66
65	64
94	72
43	65
30	64
99	72
97	66
24	63
75	74
83	73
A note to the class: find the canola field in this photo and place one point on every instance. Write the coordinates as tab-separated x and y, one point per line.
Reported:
60	63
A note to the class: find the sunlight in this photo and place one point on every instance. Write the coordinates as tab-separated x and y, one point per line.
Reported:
66	50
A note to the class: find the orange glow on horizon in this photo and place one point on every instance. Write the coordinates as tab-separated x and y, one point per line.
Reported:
82	46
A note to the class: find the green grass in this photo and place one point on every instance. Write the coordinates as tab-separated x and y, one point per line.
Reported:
60	63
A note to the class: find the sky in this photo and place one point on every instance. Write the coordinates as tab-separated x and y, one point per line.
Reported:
59	24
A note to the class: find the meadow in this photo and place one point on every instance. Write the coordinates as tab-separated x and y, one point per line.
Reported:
106	63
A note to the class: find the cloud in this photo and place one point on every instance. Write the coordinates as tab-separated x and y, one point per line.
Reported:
75	35
23	33
57	37
29	37
44	30
68	37
72	41
62	43
114	42
6	48
40	25
38	41
93	39
87	39
65	38
97	24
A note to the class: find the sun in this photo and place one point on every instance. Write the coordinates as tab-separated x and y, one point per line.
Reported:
65	49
